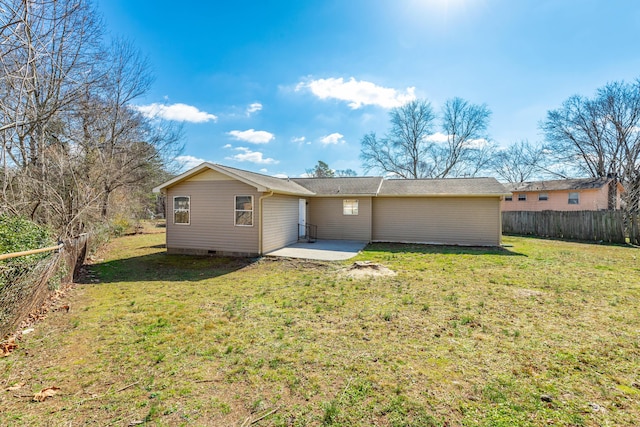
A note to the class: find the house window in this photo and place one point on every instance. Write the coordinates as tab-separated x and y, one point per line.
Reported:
522	197
508	198
543	197
574	198
350	207
244	211
182	210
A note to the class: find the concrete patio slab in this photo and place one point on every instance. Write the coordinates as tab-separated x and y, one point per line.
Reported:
322	250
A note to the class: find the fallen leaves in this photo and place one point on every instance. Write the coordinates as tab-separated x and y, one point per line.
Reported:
6	347
43	394
16	386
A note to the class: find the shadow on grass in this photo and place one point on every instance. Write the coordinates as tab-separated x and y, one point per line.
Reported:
163	267
414	248
569	240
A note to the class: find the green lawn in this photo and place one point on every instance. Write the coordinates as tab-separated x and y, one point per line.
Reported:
540	333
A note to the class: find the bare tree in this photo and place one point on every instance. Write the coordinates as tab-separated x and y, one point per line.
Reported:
125	143
600	137
467	150
47	50
520	162
47	54
70	136
412	149
404	150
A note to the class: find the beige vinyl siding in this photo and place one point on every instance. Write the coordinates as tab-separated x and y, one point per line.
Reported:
327	214
280	222
440	220
212	218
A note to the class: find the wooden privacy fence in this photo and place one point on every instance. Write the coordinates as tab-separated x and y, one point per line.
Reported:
24	293
605	226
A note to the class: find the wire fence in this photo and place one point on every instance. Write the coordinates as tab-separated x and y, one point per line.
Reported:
24	289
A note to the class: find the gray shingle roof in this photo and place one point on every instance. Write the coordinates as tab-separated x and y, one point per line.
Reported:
279	185
261	182
352	186
443	187
558	184
341	186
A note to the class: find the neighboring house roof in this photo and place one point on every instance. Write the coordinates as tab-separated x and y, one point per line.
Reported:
348	186
559	184
351	186
443	187
261	182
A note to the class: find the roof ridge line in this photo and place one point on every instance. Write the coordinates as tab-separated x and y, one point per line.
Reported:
379	186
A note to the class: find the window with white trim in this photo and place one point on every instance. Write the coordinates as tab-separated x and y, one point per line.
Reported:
522	197
244	211
350	207
543	197
508	198
574	198
182	210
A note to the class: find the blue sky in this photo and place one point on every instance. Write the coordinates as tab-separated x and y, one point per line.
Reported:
275	86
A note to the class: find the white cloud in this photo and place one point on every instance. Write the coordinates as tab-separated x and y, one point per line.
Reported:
246	155
438	137
189	162
358	93
477	143
334	138
298	139
264	170
253	136
227	146
177	112
281	175
254	107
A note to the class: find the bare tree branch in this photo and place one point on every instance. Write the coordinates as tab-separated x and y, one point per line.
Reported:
413	150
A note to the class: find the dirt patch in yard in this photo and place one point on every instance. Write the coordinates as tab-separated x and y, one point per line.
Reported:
527	293
367	269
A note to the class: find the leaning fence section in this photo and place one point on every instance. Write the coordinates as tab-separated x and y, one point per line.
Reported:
598	226
24	290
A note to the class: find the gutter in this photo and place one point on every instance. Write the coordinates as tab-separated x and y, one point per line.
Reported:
264	196
456	195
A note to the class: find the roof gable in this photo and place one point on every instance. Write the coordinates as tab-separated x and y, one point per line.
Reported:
260	182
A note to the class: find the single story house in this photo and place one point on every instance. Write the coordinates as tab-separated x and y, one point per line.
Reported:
585	194
216	209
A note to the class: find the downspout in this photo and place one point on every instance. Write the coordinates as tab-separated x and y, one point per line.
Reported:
264	196
500	201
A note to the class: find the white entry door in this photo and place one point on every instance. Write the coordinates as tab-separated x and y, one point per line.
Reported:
302	217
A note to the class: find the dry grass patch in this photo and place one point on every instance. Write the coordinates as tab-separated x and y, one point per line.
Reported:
366	270
541	333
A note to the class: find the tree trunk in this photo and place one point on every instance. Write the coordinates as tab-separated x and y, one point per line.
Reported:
105	204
